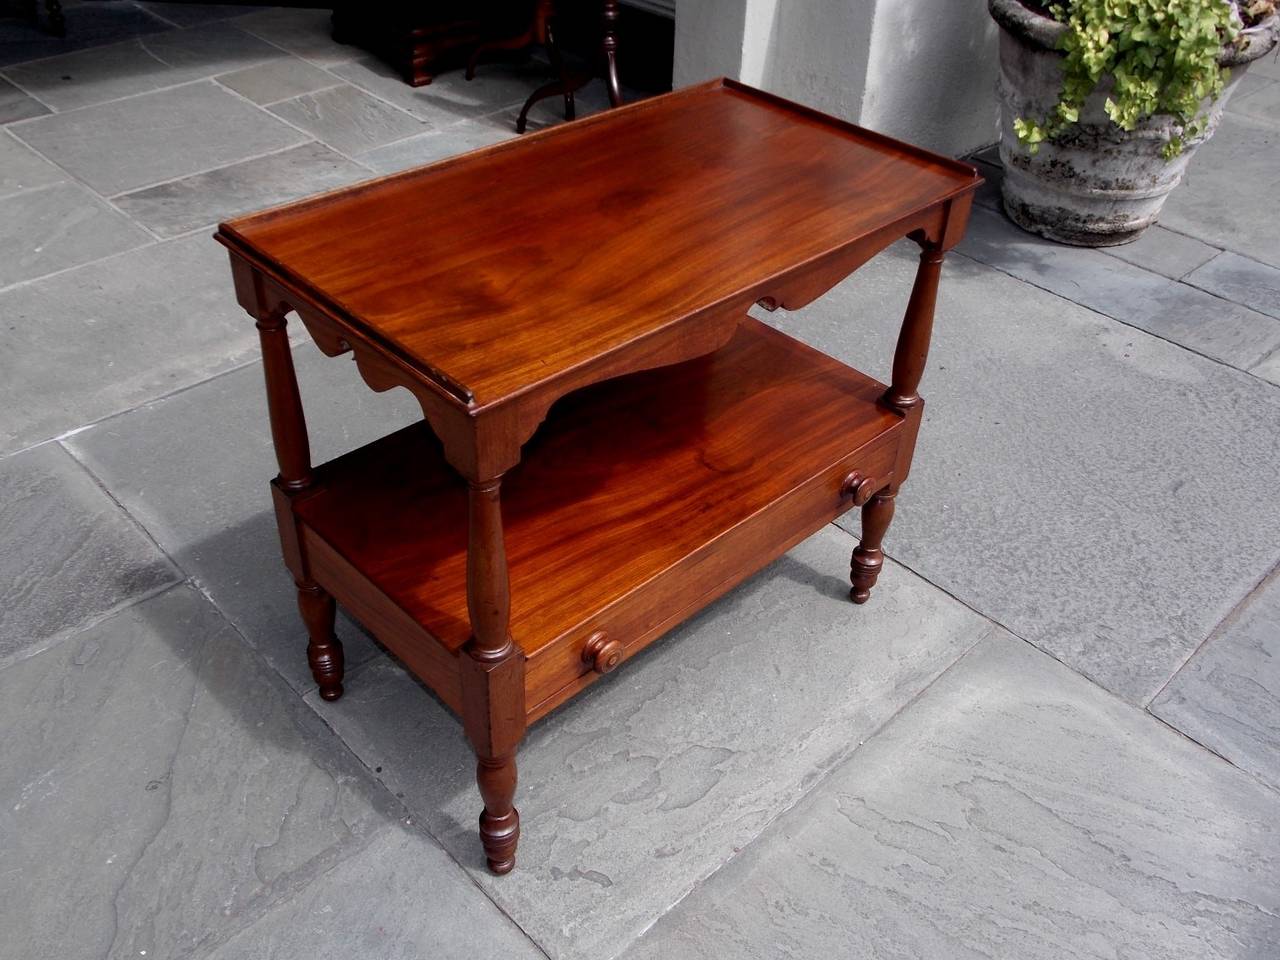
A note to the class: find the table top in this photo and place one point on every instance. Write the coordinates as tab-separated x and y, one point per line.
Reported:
497	271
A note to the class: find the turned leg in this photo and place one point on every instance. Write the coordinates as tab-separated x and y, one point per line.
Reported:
917	329
293	454
903	396
499	820
492	669
868	557
324	649
610	11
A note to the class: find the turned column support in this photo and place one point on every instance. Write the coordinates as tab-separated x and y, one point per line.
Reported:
293	455
917	328
284	404
488	591
903	396
492	669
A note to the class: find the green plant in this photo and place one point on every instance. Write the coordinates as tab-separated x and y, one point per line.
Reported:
1161	54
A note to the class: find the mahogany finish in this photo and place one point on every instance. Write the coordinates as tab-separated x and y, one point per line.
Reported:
640	482
704	201
284	404
868	558
324	649
609	442
602	653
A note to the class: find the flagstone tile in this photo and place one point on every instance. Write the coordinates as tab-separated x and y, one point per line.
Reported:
401	899
208	504
68	554
1227	696
1175	311
88	25
278	80
659	774
21	168
1014	810
17	105
59	226
180	206
1072	473
161	789
109	335
1230	196
1241	280
348	119
125	144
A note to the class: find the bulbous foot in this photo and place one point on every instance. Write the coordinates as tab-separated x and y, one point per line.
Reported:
500	835
324	649
868	557
499	821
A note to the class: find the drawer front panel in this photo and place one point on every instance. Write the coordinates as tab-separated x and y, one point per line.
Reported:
560	670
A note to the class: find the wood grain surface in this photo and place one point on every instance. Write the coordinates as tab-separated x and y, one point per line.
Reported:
609	442
509	266
625	482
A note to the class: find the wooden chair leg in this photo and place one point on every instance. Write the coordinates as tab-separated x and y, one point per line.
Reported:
868	557
324	649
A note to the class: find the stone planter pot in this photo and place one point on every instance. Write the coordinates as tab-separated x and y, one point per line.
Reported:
1096	184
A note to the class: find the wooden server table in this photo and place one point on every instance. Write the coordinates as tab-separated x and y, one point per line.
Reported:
609	442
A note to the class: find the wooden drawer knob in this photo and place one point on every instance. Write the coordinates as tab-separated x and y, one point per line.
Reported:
602	653
859	487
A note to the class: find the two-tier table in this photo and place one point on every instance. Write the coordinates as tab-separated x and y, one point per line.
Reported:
609	442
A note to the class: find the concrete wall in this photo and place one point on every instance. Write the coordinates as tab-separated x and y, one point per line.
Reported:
931	74
709	39
922	70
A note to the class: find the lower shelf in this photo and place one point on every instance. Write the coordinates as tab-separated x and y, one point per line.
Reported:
637	502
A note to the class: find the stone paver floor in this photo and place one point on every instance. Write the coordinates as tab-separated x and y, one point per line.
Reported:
1053	733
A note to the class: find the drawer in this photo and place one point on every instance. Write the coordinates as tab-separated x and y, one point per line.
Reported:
602	642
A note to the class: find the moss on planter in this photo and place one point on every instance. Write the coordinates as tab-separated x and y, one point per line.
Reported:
1093	182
